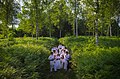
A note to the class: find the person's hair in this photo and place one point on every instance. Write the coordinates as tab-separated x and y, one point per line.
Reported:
66	52
54	51
65	47
51	53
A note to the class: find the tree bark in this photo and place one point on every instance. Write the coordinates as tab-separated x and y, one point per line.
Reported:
96	21
76	24
110	30
76	28
96	33
50	32
102	26
60	33
36	6
7	18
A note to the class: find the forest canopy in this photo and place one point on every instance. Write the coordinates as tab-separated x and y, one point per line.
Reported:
59	18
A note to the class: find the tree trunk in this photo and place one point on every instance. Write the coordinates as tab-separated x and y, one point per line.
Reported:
102	26
12	26
36	29
12	23
110	31
96	22
76	28
93	32
94	29
101	31
118	25
7	18
36	20
50	32
60	32
32	35
76	25
96	33
117	31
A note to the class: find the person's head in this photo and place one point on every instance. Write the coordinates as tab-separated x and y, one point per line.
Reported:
67	52
64	50
51	53
54	51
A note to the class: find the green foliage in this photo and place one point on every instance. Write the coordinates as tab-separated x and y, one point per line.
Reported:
23	61
1	36
44	41
6	42
25	35
109	42
98	64
52	16
11	36
94	62
26	58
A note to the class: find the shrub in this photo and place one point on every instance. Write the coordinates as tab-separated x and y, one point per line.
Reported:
94	62
25	58
11	36
1	36
23	61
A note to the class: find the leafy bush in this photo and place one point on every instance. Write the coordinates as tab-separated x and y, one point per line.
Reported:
6	42
11	36
26	58
23	61
98	64
94	62
1	36
45	41
109	42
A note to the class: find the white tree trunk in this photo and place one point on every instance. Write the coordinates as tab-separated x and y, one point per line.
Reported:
110	31
36	21
50	34
60	33
76	28
96	22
